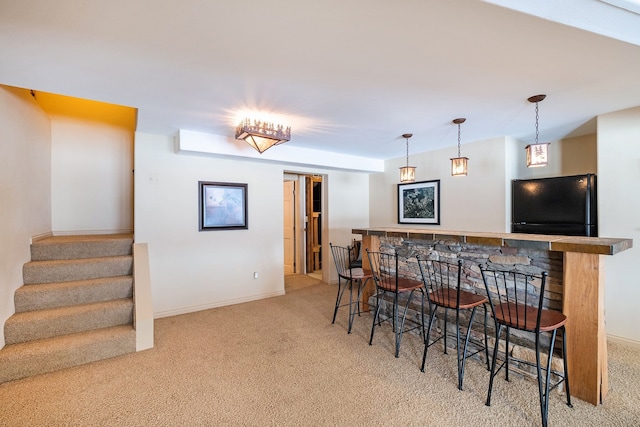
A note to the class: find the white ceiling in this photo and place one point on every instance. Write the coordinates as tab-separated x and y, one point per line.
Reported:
349	76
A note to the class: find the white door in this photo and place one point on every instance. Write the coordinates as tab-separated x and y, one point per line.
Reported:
289	228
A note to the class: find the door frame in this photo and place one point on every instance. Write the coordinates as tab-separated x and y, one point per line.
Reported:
289	210
300	221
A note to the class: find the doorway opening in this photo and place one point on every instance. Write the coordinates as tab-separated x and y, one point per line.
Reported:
303	224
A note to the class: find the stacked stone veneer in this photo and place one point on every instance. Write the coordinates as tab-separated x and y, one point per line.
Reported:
496	257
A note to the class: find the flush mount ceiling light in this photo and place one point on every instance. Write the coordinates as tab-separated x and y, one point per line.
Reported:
262	135
407	173
537	153
459	164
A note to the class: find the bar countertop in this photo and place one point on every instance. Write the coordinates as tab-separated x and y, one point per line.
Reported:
590	245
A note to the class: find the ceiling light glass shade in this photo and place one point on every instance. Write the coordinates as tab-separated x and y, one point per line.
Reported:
407	174
262	135
459	166
537	155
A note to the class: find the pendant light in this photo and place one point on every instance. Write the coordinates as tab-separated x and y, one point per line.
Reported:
537	153
407	173
459	164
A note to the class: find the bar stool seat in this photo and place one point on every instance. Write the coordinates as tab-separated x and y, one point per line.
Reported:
524	317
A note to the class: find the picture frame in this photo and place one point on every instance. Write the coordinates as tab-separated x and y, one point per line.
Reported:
222	206
419	202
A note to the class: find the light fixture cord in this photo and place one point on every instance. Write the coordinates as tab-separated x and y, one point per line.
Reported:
407	152
537	117
458	139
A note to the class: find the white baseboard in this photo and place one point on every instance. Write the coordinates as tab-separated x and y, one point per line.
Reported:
41	236
624	341
192	309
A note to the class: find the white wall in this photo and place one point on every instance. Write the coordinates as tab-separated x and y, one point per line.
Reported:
619	216
470	203
193	270
92	179
347	208
25	187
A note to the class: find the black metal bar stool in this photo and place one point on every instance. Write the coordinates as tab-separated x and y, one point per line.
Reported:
348	277
442	281
516	299
384	267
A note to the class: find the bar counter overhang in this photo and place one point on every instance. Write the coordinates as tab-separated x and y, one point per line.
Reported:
583	291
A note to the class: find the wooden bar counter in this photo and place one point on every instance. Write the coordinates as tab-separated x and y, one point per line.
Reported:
582	299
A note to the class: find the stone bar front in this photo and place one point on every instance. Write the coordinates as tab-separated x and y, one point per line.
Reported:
576	283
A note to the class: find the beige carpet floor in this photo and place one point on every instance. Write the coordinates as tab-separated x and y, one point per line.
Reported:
279	362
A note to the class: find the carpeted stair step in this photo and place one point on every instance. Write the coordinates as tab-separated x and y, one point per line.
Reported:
62	294
89	246
37	272
51	354
40	324
76	305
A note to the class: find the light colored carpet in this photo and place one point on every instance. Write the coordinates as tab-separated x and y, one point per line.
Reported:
294	282
279	362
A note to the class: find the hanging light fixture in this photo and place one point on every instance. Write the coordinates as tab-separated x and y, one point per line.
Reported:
459	164
537	153
262	135
407	173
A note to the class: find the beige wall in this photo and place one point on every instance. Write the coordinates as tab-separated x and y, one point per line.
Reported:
92	165
92	178
619	216
193	270
471	203
579	155
25	187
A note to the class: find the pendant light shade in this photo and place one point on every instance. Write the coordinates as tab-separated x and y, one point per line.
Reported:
537	154
459	164
407	173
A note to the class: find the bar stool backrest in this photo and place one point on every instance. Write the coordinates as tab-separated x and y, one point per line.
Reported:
385	269
515	296
342	259
442	279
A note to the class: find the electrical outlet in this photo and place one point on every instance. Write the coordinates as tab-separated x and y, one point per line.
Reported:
255	274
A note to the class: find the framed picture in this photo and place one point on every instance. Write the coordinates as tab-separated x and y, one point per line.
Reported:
419	203
222	206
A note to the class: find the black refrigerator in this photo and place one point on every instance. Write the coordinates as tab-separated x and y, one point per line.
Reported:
565	205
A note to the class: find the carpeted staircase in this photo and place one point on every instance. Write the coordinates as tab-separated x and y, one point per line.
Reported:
76	306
